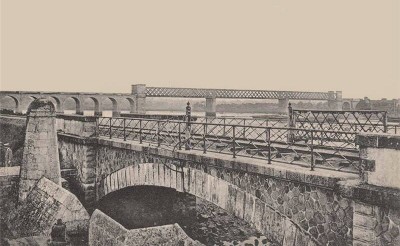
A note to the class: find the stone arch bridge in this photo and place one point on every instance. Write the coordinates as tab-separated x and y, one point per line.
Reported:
290	205
23	99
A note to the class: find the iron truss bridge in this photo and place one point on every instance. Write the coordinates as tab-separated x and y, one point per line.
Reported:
230	93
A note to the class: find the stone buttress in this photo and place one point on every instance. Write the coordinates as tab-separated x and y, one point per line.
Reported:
40	155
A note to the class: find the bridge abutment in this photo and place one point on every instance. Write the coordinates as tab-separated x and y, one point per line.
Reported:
376	195
77	148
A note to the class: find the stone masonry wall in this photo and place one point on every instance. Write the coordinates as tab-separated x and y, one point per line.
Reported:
376	225
78	152
321	212
82	157
83	126
9	179
103	230
286	205
13	132
46	203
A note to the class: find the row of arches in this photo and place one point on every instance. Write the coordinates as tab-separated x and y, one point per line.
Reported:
356	105
88	105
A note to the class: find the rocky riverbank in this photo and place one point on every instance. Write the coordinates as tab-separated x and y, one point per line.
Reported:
214	226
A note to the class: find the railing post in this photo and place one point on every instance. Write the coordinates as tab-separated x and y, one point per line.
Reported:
188	118
291	124
204	138
234	141
312	151
244	128
140	131
269	144
385	128
124	130
179	136
110	128
224	128
97	133
158	134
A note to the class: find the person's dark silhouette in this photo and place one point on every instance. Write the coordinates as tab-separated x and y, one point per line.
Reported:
58	232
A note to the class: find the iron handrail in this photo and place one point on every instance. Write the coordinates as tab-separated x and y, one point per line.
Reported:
231	125
230	138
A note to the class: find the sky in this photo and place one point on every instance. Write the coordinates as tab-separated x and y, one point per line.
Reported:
106	46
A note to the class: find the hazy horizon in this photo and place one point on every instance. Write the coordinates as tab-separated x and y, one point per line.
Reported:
106	46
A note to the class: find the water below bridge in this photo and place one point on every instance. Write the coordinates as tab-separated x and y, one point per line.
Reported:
146	206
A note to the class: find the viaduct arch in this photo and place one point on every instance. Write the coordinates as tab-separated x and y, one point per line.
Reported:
59	99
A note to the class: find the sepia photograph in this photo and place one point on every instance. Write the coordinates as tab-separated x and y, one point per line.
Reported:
188	123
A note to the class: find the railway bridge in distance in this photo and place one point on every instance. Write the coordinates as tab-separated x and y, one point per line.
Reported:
137	98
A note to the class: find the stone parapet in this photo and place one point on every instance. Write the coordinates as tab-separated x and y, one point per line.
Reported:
380	154
77	125
370	194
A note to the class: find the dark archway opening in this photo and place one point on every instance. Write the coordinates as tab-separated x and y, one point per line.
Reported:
146	206
346	106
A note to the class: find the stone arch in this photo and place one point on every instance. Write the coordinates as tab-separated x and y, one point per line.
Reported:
346	106
96	105
78	108
241	203
363	104
115	108
16	102
131	105
25	101
57	104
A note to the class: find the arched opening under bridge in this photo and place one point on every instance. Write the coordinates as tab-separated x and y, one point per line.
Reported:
9	104
72	105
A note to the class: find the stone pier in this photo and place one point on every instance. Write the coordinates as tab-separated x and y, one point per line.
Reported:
211	105
40	156
283	105
41	198
139	94
335	101
376	195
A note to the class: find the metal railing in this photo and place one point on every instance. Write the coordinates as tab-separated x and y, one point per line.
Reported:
306	147
341	120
